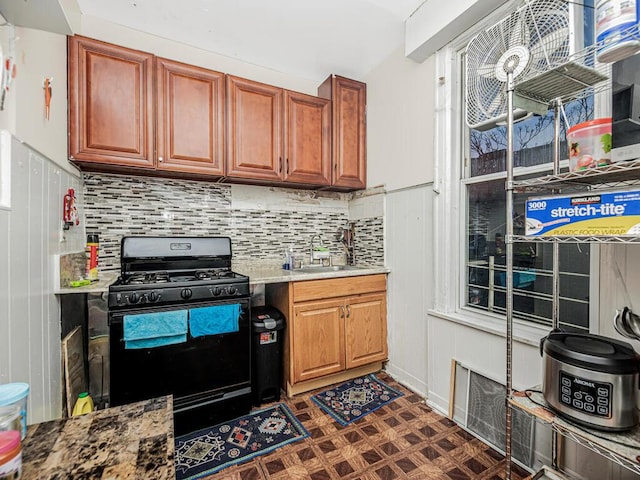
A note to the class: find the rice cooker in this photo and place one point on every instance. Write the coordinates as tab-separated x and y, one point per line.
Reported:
591	380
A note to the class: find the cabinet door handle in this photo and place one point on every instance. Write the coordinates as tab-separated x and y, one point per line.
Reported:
287	162
160	159
279	164
341	311
348	311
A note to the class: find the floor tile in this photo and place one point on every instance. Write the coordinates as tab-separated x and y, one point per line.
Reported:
403	439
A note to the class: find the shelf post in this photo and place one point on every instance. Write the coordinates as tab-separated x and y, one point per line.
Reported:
509	273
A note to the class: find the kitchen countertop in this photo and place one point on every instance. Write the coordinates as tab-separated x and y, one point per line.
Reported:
264	273
101	285
129	442
258	273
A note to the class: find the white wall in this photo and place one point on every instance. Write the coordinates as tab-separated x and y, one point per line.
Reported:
38	55
409	243
29	311
619	286
400	122
99	29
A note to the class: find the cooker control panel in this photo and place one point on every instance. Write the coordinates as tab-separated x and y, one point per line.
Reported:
586	396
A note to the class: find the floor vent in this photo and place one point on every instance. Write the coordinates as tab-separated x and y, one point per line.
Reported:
479	407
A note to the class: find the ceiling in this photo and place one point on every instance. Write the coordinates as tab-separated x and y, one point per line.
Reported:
304	38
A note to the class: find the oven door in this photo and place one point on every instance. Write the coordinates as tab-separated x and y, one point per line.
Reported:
199	371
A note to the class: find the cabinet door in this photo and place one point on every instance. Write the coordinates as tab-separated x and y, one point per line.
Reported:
348	131
317	339
110	104
254	130
190	116
307	139
366	329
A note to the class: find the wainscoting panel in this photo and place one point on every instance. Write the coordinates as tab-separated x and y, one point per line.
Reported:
29	245
409	247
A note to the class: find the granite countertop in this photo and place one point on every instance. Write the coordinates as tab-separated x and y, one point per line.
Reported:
101	285
259	273
129	442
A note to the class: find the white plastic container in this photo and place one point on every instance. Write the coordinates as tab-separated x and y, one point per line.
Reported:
589	144
16	394
10	418
617	29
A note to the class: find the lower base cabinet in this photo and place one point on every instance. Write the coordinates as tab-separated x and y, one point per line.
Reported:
336	329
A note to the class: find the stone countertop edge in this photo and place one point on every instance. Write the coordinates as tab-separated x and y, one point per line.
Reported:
100	286
263	275
257	275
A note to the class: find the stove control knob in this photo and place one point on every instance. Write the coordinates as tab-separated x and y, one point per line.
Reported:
186	293
153	297
232	290
216	291
133	298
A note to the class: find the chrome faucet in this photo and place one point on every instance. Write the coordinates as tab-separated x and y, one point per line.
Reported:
312	257
318	254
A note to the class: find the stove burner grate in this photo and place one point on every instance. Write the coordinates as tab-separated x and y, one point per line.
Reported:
147	278
212	274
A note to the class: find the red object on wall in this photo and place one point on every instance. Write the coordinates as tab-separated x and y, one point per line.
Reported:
69	210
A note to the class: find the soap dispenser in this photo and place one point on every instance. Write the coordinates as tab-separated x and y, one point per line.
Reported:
291	257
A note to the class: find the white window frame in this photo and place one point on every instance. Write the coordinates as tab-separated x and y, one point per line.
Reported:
450	202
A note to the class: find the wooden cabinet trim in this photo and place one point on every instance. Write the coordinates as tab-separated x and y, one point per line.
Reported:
111	146
346	286
366	329
307	134
202	154
254	142
318	339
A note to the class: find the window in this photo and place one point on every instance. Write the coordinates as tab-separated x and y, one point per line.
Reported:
475	187
486	214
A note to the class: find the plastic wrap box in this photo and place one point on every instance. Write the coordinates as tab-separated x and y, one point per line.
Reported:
614	213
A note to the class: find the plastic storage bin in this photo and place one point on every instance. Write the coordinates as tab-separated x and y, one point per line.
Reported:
10	455
589	144
16	394
10	418
267	325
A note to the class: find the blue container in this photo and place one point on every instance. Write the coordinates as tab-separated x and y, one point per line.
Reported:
617	31
16	394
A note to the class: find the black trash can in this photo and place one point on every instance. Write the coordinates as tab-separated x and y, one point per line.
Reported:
267	326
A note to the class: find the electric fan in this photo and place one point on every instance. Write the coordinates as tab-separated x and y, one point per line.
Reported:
531	40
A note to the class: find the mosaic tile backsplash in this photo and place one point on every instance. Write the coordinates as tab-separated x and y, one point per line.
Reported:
261	221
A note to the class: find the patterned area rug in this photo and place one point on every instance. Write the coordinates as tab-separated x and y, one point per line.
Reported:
209	450
355	399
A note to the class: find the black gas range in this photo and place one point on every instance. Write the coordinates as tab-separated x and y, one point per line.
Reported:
164	285
173	270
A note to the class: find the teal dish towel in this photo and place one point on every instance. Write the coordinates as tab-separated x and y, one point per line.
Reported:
151	330
214	320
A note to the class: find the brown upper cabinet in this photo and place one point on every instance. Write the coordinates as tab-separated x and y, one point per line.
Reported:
132	111
349	101
190	118
114	111
254	130
110	104
276	135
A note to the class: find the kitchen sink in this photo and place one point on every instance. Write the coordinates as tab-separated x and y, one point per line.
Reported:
322	269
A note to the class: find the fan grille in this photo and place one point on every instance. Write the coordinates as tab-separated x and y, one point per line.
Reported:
530	40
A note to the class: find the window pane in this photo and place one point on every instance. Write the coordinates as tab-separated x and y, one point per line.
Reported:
532	263
532	140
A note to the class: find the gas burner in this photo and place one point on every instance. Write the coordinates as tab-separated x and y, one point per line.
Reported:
146	278
211	274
